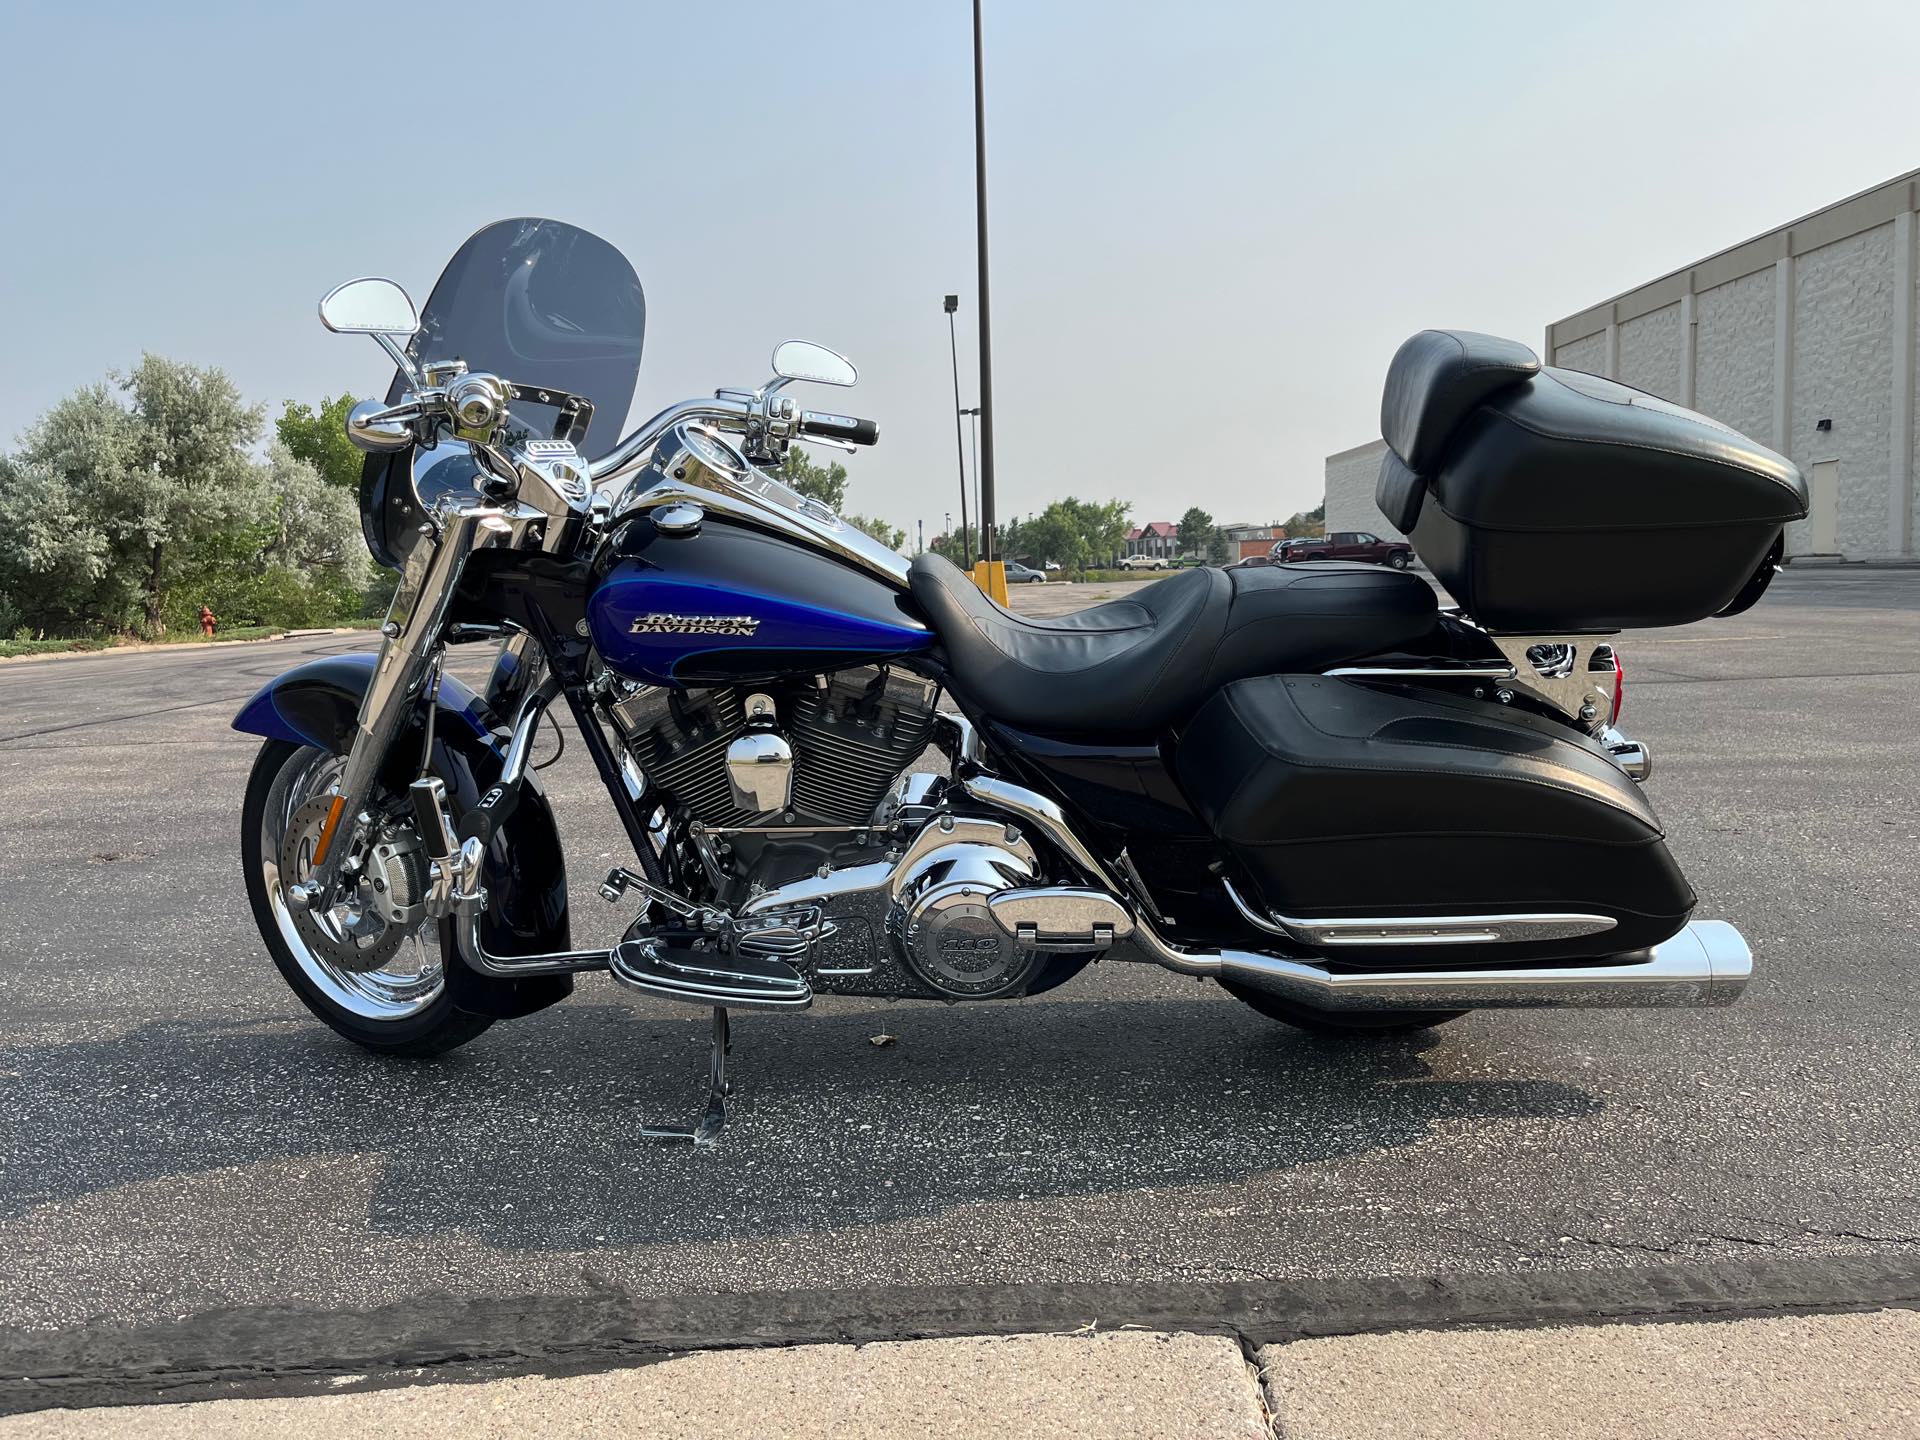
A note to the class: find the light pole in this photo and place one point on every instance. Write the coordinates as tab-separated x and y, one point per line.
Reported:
986	544
986	341
952	304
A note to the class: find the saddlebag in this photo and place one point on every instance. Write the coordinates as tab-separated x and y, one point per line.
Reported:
1340	799
1549	500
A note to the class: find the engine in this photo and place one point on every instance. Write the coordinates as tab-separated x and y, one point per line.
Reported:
819	752
776	796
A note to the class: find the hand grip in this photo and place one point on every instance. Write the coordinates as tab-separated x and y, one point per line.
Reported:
839	427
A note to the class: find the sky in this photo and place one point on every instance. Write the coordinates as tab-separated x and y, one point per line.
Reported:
1211	223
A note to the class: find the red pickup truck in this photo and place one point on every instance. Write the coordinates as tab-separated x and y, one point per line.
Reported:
1346	545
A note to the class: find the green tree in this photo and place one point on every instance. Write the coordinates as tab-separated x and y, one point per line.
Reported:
1217	546
53	554
950	548
1309	522
1077	534
151	478
134	511
319	437
825	483
888	535
1196	531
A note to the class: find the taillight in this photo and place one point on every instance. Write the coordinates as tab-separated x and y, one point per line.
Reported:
1619	688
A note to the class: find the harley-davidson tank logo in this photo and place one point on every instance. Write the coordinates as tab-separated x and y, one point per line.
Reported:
662	623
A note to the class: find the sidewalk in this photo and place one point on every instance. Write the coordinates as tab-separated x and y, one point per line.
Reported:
1853	1376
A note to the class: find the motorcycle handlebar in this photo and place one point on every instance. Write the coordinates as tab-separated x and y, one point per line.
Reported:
839	427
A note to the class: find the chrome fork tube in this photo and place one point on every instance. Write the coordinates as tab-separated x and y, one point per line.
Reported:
412	638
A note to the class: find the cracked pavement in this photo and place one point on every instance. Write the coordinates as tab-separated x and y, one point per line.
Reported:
180	1140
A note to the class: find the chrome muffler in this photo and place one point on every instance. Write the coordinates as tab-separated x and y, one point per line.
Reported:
1706	964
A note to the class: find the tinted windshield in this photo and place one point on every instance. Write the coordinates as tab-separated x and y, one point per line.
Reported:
542	303
535	302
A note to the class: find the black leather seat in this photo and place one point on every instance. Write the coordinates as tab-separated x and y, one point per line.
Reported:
1144	663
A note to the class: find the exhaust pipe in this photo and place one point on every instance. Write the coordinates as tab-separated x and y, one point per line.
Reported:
1706	964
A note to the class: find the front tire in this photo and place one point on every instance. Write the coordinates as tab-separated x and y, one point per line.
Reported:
1338	1022
401	1008
1399	560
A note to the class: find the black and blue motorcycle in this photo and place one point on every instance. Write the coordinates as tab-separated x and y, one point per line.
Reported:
1359	810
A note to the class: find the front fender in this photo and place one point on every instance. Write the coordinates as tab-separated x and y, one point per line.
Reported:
317	703
525	874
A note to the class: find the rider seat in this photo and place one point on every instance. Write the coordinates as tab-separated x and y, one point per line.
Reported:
1141	664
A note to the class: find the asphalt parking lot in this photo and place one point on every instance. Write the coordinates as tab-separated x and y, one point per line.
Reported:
200	1183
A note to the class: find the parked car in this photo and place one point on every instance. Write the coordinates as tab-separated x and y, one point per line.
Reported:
1018	574
1346	545
1143	562
1256	562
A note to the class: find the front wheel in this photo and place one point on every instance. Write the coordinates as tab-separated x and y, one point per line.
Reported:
382	988
1338	1022
1399	560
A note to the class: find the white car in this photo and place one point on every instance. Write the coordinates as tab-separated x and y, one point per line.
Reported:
1142	562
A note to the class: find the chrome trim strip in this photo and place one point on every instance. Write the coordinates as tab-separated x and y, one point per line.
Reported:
1425	672
838	538
1423	929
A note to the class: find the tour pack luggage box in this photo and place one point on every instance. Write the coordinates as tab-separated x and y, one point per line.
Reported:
1352	800
1548	500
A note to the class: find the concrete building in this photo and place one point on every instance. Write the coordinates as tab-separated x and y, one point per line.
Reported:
1803	338
1350	480
1244	541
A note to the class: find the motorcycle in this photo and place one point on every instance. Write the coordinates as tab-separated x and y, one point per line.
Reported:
1357	809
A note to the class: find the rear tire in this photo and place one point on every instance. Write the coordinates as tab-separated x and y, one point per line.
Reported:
416	1016
1338	1022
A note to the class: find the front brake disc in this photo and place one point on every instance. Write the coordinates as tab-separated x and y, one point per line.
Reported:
350	937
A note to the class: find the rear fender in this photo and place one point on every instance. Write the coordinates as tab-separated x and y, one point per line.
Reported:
525	875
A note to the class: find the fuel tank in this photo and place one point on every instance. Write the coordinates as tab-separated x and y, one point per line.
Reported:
730	604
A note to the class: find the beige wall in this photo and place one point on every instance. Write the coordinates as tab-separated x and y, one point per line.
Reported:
1814	321
1351	476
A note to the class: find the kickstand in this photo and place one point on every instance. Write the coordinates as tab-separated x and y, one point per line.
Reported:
706	1134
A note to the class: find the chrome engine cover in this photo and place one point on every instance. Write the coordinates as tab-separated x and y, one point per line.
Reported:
940	920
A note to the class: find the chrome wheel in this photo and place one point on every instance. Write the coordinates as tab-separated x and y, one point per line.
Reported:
363	964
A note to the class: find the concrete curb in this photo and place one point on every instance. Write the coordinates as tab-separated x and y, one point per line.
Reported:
175	645
289	1349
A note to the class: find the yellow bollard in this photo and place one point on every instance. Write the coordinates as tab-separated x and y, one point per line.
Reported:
991	577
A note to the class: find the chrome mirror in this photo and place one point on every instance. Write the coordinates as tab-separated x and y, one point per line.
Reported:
369	306
803	360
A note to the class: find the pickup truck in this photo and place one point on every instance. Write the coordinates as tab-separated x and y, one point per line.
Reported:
1142	562
1346	545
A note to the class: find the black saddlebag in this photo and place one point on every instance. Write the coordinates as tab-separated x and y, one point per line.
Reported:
1339	799
1549	500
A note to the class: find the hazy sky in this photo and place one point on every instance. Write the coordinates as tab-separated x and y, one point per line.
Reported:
1212	222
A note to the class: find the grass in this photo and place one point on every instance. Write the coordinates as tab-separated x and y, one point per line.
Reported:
9	649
